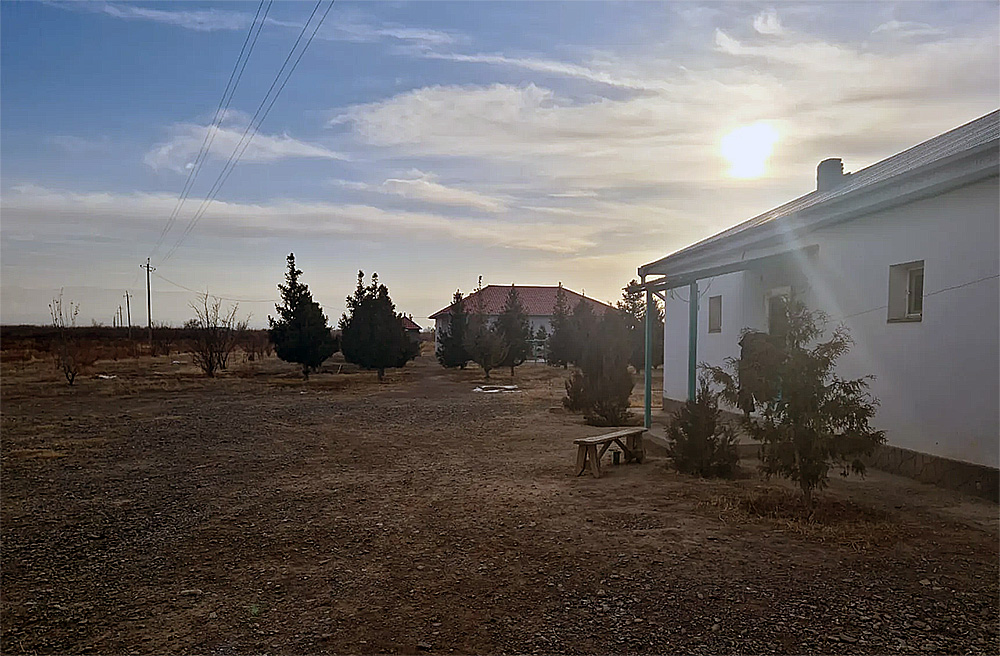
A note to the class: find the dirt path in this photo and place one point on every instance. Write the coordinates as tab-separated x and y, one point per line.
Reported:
160	512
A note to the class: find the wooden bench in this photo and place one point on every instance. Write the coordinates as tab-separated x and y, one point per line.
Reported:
587	455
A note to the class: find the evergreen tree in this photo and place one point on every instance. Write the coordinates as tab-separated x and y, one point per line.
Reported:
633	305
372	333
700	439
806	418
451	342
560	341
540	344
602	388
583	326
515	331
300	334
483	342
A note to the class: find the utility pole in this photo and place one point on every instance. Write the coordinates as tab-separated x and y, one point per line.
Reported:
128	310
149	303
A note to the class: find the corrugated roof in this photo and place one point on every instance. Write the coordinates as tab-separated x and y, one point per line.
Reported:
537	300
976	133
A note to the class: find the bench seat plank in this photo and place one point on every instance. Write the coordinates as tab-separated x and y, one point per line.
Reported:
609	437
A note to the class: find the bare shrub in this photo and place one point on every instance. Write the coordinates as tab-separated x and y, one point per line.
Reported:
216	334
72	355
256	345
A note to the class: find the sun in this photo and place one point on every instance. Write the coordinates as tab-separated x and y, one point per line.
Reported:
747	149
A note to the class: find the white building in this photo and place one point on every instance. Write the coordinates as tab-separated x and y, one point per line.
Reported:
905	253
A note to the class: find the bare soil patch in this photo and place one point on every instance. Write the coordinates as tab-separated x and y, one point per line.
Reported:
162	512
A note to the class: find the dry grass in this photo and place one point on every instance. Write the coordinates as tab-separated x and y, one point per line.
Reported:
833	520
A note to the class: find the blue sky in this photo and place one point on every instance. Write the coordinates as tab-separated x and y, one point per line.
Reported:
436	142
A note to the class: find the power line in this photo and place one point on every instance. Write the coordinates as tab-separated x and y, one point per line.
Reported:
251	129
220	112
934	293
221	298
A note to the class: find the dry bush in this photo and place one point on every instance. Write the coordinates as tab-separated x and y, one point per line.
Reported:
256	345
836	521
217	334
72	353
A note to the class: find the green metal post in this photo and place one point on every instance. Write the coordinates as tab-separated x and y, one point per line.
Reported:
648	400
692	338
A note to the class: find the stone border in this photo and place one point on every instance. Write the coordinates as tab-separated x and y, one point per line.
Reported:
966	477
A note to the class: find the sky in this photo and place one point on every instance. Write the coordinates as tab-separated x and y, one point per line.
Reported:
434	142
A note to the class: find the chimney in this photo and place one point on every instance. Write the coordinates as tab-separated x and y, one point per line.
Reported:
829	174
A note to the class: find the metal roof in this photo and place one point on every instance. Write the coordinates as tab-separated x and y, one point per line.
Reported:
973	134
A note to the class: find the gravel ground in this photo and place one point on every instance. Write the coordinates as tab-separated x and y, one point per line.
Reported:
160	512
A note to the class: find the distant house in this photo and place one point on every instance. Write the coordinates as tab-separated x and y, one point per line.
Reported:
411	328
539	303
905	253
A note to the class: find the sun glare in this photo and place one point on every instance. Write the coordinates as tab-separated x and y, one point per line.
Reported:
748	148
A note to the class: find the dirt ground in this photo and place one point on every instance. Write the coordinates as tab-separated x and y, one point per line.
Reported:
162	512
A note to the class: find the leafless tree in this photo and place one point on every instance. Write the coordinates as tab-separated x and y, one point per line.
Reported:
217	333
72	356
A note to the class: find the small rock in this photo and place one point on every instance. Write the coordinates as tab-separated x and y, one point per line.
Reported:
424	646
213	615
925	582
847	638
715	627
191	593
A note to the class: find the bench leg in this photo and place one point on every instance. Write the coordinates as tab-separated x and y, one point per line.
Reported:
636	447
581	460
595	460
626	448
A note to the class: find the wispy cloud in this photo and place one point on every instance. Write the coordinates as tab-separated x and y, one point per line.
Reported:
352	26
555	67
207	20
80	216
907	29
424	187
179	151
361	29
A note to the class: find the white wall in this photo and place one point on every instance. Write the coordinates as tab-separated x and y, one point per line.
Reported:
938	380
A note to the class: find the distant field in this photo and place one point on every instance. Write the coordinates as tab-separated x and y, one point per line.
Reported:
153	510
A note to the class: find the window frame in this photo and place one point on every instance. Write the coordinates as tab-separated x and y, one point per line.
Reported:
716	328
901	292
910	274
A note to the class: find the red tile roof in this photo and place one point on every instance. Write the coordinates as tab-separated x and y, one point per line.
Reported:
409	324
537	300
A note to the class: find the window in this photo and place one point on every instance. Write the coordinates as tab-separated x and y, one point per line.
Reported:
715	314
776	301
906	291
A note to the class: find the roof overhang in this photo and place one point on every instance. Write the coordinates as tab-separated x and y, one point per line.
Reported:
936	178
794	256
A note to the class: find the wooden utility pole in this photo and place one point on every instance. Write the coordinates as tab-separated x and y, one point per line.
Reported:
128	311
149	303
